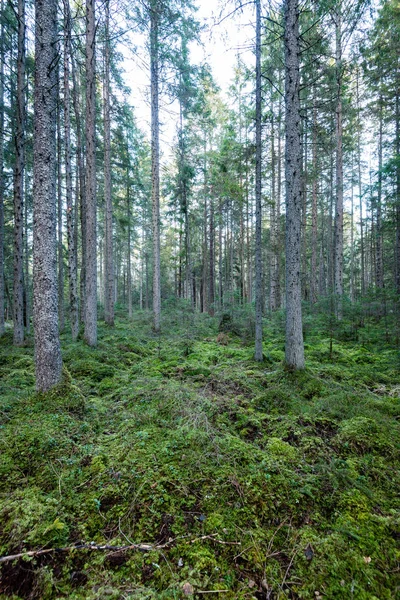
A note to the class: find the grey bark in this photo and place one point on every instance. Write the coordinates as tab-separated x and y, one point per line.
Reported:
90	334
72	249
155	164
48	361
2	289
294	351
338	229
397	147
258	353
19	182
60	257
128	261
360	187
313	273
108	251
379	245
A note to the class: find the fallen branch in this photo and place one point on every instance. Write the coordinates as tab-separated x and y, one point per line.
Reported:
107	547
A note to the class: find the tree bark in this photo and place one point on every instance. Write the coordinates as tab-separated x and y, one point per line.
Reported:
294	351
258	353
108	253
314	214
19	182
48	361
128	258
2	288
379	246
90	187
72	249
155	164
338	231
59	219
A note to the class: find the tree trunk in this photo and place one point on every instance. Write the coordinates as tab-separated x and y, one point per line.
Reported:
155	164
397	147
19	182
314	214
48	361
59	219
360	187
258	353
72	249
294	352
128	258
338	232
211	287
2	289
108	253
91	246
379	247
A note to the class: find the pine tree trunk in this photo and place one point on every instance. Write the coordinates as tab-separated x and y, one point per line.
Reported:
72	248
258	353
294	352
108	253
155	164
48	361
211	287
2	290
19	182
90	186
338	232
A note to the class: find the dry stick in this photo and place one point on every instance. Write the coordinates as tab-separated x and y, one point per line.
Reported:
140	547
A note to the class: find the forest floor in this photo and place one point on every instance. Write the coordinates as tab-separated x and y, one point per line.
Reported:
248	481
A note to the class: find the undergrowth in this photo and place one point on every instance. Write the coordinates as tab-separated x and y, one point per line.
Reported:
257	482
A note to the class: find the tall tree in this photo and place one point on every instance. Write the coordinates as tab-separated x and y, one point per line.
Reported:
155	160
19	181
109	292
72	250
90	184
294	351
48	361
1	169
258	355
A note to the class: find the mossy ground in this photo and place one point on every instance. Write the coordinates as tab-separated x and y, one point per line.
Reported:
179	437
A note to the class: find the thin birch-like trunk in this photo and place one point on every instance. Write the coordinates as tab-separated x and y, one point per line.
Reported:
59	220
338	230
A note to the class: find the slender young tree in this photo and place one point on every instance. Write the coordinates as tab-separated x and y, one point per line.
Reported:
294	351
48	361
258	355
90	186
19	182
108	251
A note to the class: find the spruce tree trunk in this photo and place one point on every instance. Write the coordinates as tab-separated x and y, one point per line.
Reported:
360	187
338	232
128	258
155	164
258	353
72	248
59	219
294	351
211	287
108	253
379	246
19	182
48	361
313	273
90	186
397	147
2	289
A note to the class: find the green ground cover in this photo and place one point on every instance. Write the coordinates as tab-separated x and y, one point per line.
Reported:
256	482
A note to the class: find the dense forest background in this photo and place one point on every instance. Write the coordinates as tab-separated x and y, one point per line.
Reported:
199	320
